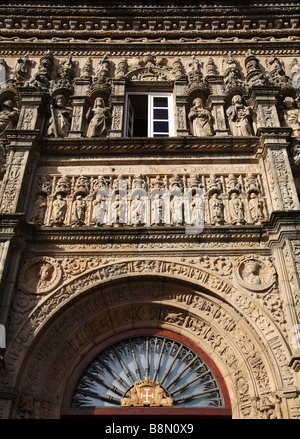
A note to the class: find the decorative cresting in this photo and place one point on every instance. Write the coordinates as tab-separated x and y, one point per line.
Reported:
148	371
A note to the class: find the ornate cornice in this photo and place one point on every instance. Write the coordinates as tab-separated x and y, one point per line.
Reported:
147	23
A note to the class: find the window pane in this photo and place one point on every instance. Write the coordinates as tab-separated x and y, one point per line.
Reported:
161	127
160	114
160	102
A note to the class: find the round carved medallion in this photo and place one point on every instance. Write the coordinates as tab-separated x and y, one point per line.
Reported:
255	273
40	275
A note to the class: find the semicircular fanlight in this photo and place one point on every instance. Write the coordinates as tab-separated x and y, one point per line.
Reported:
147	371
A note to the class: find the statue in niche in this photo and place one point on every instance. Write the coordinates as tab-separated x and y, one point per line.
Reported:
236	209
201	119
197	209
176	207
137	211
290	116
60	120
79	210
101	213
39	209
239	117
216	209
256	208
156	209
59	211
99	117
7	116
115	211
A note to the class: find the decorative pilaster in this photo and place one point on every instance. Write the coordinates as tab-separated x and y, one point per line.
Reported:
181	108
79	104
117	101
217	103
33	109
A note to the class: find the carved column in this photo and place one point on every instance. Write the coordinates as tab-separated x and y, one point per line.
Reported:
79	104
274	140
217	103
15	191
181	108
278	170
117	101
284	240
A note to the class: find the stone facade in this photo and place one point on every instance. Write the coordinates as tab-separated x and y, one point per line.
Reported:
101	233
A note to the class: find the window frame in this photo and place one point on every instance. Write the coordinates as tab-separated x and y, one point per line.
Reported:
150	121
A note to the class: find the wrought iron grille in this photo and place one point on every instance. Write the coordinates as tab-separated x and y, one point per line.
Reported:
180	372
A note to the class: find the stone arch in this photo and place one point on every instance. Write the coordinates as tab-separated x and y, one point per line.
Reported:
117	297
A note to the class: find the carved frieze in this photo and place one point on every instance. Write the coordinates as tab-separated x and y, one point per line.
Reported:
179	199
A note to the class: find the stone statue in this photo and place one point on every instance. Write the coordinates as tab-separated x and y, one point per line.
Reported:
156	210
39	210
79	210
7	116
99	117
239	117
290	116
59	211
176	207
60	120
256	208
100	216
236	208
138	211
216	209
201	119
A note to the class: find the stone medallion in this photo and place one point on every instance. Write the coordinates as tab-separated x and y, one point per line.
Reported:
40	275
255	273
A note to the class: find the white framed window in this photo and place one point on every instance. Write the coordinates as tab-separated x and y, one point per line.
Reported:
149	114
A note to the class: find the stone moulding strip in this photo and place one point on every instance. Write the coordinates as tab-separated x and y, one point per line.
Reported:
172	144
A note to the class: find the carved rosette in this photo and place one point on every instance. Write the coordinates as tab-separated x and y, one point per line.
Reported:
40	275
254	273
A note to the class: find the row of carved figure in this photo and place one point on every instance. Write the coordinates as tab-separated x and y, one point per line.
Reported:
141	200
241	117
242	120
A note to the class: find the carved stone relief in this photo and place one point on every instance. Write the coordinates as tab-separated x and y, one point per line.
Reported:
233	199
196	314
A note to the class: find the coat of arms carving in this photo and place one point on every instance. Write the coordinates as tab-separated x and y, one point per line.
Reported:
147	393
